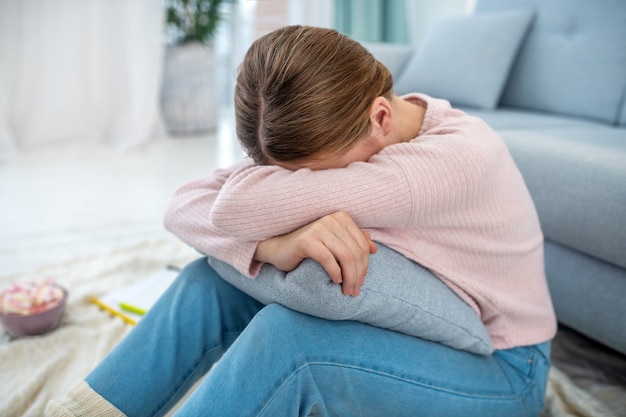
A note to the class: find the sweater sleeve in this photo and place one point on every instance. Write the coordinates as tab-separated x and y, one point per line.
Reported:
259	202
405	185
187	217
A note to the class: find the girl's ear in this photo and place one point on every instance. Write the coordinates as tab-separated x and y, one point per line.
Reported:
381	114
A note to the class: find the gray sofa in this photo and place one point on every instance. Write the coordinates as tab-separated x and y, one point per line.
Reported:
550	77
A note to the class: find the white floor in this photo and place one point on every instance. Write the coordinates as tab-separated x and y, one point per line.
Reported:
57	204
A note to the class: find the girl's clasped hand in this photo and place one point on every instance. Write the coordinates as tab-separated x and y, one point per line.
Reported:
335	241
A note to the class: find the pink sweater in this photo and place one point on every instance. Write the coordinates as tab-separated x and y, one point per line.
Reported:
452	199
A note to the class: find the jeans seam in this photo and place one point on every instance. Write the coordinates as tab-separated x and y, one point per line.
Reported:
528	377
384	374
191	371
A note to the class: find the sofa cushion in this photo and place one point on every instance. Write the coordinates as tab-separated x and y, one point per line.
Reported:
577	179
573	59
588	294
508	118
466	60
393	56
622	118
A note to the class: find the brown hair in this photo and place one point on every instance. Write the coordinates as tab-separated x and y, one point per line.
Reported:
304	93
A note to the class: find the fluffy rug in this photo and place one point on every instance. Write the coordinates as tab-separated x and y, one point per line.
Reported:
36	369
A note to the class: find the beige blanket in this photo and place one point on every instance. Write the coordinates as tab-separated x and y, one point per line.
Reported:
36	369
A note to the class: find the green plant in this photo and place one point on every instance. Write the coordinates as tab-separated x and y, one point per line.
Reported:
192	20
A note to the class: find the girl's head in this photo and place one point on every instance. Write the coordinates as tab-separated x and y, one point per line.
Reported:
303	94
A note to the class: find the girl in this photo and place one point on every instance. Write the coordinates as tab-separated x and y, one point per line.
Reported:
338	162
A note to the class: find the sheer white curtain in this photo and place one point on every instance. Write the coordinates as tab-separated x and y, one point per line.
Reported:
313	13
79	71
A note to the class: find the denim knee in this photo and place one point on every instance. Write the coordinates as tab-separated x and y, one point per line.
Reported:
277	318
197	270
290	332
277	326
198	277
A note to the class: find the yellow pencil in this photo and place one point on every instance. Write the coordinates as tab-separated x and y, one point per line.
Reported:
112	311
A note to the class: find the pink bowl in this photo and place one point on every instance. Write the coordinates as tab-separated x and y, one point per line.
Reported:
34	324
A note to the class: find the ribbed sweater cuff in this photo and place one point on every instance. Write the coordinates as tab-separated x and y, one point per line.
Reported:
82	401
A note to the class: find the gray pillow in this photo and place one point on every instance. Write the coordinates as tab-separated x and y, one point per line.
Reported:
398	294
467	60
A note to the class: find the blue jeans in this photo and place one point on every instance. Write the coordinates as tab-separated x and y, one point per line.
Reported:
276	362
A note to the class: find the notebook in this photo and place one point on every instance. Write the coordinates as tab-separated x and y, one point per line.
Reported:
131	302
